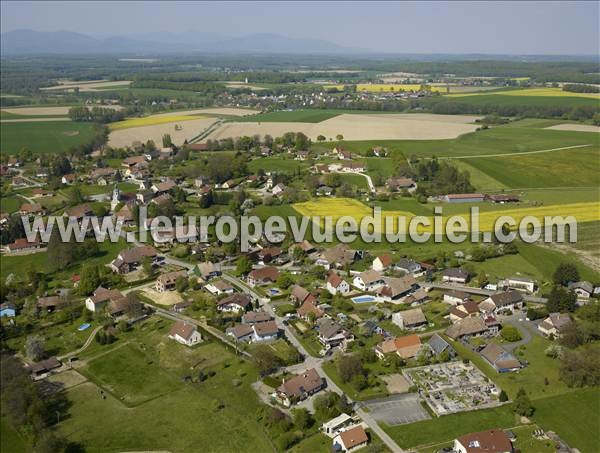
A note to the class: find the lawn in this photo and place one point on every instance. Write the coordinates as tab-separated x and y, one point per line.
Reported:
44	136
526	442
131	375
11	203
507	266
357	182
573	416
276	164
20	264
531	378
59	338
448	427
369	392
179	421
568	168
10	440
479	180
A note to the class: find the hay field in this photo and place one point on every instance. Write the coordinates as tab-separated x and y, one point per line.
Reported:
574	127
551	92
189	129
361	127
338	207
88	85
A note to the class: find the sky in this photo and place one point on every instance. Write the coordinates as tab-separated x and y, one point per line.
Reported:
569	28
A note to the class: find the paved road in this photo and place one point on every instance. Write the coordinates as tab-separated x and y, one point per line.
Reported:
313	362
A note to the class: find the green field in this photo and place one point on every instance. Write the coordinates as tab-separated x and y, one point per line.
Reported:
178	416
496	140
276	164
20	264
448	427
573	416
531	378
298	116
482	99
546	260
44	136
569	168
4	115
10	203
131	376
10	440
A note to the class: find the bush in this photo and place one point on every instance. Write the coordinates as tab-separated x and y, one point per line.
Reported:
510	334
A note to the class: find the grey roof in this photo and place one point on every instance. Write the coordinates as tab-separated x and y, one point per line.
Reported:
438	344
586	286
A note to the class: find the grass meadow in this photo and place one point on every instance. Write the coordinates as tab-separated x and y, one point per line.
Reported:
553	169
149	407
496	140
44	136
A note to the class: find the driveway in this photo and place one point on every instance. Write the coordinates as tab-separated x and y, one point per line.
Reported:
397	409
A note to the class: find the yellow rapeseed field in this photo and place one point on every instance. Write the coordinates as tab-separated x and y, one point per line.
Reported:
152	120
338	207
552	92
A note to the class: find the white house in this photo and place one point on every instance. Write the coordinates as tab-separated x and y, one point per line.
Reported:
455	275
219	287
584	290
185	333
369	280
336	284
336	425
278	189
456	297
554	324
101	297
382	263
520	284
502	302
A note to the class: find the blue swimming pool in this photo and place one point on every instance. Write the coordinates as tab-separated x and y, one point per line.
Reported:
83	327
274	291
363	299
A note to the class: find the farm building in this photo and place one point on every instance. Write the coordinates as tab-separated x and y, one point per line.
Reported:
455	275
464	198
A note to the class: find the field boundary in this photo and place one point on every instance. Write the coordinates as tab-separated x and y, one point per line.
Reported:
517	154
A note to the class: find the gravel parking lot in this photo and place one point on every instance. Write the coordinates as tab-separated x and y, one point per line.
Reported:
398	409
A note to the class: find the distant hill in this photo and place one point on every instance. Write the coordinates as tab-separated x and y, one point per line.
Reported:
29	42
